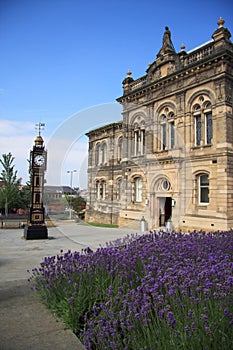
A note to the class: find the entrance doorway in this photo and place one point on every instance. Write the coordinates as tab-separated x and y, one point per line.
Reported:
165	210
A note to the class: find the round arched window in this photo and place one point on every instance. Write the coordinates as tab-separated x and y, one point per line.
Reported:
196	107
165	185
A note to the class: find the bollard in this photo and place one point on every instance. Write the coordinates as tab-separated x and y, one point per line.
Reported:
143	224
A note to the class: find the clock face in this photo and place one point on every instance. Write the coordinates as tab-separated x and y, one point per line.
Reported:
39	160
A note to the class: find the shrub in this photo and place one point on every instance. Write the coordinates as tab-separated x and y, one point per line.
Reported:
156	291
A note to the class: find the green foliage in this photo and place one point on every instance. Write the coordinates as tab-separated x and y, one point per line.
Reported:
78	203
25	196
98	224
157	291
9	193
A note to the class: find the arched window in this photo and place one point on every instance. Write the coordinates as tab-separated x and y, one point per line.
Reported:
167	136
97	184
203	188
171	134
197	107
119	189
101	153
198	129
138	189
139	140
208	123
97	154
202	112
164	136
104	153
100	189
119	149
103	189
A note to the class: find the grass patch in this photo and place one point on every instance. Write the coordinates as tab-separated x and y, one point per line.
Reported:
102	225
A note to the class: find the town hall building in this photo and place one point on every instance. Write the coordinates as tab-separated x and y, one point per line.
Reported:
170	158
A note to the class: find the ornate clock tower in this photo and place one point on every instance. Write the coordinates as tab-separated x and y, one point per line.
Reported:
36	228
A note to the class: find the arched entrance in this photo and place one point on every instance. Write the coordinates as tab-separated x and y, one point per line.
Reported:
162	208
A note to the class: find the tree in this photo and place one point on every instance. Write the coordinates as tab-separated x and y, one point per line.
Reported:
25	196
78	203
9	193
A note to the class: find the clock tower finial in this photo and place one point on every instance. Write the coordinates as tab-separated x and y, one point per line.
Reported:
40	126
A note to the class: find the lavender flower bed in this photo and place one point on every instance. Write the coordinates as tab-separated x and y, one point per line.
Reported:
157	291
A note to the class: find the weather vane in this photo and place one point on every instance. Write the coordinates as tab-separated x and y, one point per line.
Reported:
40	126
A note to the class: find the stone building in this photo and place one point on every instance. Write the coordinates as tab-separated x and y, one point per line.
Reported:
171	155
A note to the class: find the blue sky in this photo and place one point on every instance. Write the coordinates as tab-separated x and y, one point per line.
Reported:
61	57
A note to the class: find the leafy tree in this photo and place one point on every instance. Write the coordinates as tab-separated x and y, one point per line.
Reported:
78	203
25	196
9	193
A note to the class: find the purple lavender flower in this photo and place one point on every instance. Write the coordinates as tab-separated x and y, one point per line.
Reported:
171	319
145	290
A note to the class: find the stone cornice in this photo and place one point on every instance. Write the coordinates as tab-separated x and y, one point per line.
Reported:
105	129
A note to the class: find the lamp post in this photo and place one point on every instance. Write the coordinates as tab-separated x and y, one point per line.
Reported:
71	184
71	176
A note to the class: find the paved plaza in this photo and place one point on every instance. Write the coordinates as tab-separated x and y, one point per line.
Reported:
18	255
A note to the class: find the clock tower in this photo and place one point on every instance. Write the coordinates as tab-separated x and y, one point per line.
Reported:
36	228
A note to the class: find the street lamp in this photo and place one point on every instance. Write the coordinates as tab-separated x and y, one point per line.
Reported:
71	184
71	176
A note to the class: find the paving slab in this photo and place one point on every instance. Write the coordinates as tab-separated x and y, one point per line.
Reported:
25	323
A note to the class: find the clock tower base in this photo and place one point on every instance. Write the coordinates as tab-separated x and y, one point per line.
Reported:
36	232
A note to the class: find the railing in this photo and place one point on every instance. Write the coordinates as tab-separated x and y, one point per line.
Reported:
199	54
12	223
138	83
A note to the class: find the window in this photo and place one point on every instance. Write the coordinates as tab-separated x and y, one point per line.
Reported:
209	131
197	107
165	185
142	141
198	130
167	129
119	189
204	189
97	154
100	189
119	149
136	142
202	112
172	134
97	189
164	136
101	154
139	141
103	190
138	189
104	153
